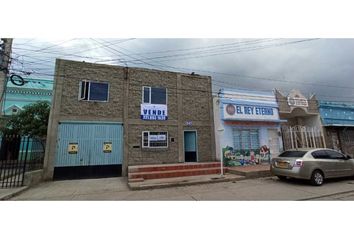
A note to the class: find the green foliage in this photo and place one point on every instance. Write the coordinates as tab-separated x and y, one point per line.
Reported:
31	121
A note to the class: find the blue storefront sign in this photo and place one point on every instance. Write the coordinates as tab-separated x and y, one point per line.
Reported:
154	112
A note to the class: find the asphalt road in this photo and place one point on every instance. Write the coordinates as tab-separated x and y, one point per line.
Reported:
252	189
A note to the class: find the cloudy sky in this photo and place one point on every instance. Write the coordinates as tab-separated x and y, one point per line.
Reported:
321	66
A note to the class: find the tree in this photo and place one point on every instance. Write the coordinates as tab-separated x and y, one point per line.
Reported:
32	121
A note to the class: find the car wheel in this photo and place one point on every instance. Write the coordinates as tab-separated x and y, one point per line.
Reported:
282	178
317	178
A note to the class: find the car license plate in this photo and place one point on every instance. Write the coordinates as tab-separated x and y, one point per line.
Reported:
282	165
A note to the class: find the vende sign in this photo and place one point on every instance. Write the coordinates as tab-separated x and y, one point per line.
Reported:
297	102
239	111
153	112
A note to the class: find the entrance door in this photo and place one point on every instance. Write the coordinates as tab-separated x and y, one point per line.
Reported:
273	142
335	140
190	146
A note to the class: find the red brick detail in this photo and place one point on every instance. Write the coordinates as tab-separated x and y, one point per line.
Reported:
174	173
171	167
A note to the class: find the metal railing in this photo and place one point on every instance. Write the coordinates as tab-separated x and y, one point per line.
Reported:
18	155
302	137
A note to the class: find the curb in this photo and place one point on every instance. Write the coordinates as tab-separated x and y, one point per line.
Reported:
13	194
326	195
183	183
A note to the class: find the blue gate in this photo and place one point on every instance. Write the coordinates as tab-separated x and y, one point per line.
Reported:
89	144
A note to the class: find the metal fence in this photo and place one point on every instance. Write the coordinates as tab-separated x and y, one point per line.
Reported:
302	137
18	155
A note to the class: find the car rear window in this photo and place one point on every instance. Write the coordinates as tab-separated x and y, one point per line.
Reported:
293	154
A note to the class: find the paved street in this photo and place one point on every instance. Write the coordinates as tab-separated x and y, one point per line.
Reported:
253	189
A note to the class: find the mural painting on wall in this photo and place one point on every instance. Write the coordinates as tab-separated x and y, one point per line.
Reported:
239	157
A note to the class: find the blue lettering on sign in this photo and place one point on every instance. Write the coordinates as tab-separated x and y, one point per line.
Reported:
254	110
257	111
238	110
153	112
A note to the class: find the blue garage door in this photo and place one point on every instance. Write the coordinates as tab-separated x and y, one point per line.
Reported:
89	144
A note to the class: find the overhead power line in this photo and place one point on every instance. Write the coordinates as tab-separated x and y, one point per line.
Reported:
217	52
209	46
130	58
215	83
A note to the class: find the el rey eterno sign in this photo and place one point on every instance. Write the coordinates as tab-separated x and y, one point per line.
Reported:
241	112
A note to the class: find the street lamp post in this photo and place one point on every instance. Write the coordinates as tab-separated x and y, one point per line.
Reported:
221	131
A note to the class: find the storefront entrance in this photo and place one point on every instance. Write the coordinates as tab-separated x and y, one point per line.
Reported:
273	142
190	146
302	137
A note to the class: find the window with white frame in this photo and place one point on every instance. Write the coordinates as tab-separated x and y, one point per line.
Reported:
154	95
93	91
154	139
245	139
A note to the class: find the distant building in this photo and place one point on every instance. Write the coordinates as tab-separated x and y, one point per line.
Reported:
16	97
338	122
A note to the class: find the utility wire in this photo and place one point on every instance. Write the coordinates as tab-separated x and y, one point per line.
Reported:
79	76
201	54
209	46
232	74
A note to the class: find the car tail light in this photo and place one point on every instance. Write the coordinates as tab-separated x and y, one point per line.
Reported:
298	163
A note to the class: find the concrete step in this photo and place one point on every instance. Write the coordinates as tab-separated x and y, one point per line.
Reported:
173	173
171	167
183	181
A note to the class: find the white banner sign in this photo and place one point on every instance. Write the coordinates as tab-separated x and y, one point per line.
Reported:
153	112
297	102
239	111
157	137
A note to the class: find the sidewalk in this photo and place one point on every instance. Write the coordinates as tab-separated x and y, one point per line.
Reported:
7	193
270	188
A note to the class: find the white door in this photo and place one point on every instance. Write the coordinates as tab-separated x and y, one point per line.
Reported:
273	142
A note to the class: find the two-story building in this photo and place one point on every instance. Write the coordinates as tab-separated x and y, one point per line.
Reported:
105	118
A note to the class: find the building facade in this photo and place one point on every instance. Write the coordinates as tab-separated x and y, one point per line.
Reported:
247	127
302	127
33	90
110	117
338	123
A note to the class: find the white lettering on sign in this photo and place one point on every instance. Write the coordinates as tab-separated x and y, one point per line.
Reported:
238	111
297	102
153	112
189	123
